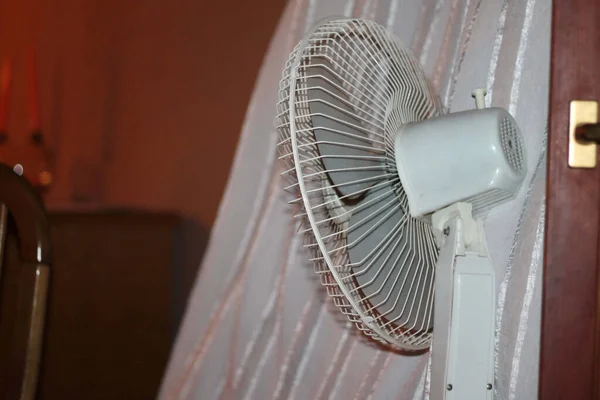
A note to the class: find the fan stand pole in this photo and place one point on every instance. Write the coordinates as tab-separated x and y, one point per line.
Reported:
462	365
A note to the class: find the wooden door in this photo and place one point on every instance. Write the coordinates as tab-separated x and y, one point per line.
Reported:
570	334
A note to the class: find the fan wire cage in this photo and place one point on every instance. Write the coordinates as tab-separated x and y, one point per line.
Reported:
346	91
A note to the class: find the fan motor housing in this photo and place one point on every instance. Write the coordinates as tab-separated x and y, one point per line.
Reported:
475	156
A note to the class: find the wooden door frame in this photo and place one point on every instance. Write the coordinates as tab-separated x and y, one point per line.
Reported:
569	342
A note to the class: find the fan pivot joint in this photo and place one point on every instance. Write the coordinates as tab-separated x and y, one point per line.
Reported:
469	231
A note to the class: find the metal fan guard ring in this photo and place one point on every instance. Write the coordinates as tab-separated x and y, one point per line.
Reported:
338	289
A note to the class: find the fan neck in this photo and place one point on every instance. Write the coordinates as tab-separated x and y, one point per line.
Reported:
470	234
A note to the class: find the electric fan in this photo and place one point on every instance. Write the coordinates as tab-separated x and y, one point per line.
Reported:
391	191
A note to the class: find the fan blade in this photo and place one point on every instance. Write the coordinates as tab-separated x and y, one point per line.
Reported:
351	161
391	261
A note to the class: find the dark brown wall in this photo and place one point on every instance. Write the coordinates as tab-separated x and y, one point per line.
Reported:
142	101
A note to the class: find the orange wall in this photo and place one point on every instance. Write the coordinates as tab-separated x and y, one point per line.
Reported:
142	101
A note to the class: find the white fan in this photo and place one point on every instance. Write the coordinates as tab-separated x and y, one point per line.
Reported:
390	190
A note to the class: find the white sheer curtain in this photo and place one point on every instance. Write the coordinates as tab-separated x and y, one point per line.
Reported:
258	325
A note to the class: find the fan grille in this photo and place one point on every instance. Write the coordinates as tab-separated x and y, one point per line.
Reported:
512	144
346	90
